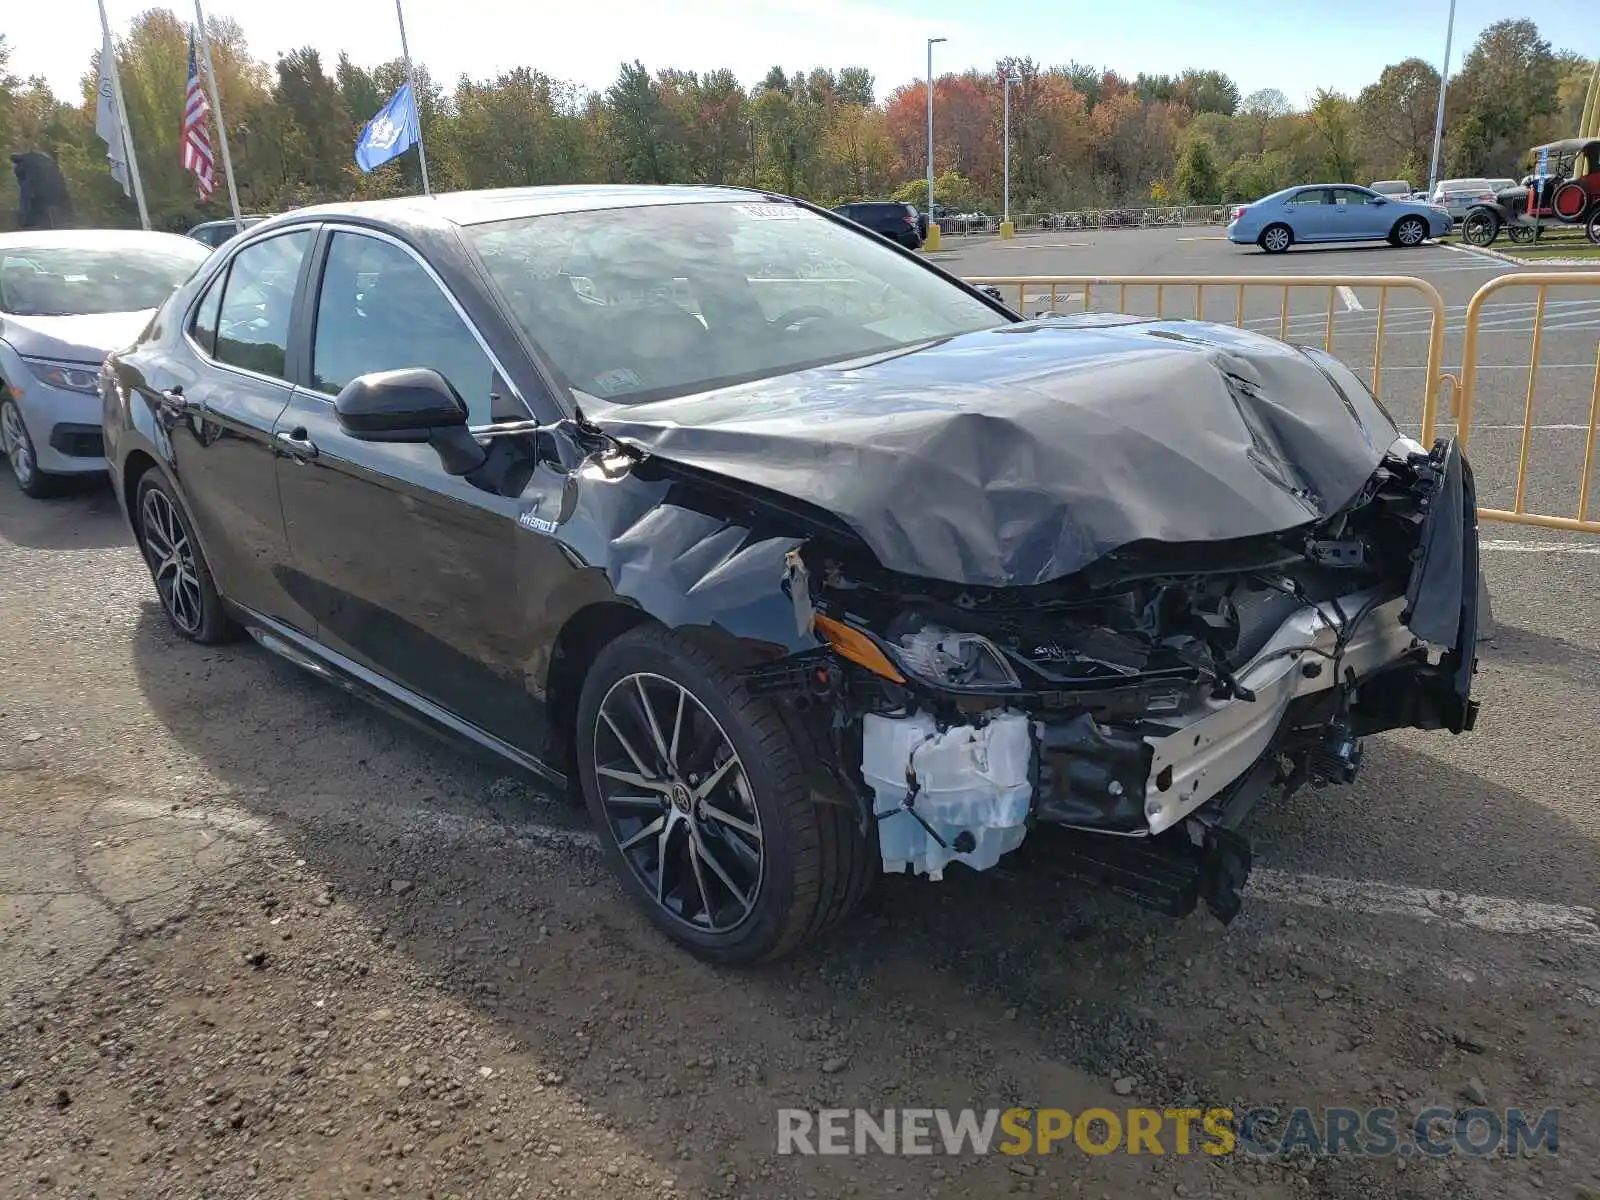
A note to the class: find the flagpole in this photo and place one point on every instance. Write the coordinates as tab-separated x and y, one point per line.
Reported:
216	107
109	46
416	100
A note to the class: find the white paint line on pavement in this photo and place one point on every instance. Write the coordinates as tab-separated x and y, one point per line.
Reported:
1348	295
1554	427
1493	914
1541	547
1482	367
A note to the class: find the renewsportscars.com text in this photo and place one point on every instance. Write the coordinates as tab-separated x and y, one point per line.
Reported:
1259	1132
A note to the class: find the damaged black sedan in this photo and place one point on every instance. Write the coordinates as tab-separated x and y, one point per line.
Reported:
797	559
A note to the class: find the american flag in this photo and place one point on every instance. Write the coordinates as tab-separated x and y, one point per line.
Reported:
196	139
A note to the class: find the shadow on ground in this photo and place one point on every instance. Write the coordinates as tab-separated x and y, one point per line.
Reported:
84	516
1013	987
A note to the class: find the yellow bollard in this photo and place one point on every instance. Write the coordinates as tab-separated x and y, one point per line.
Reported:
1008	230
932	244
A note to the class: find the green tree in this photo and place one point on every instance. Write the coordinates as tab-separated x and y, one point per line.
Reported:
1509	80
1332	117
1394	120
643	127
1207	92
1198	178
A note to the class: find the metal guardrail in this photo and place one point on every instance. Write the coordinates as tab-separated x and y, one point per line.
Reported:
1089	218
1543	282
1126	218
1283	285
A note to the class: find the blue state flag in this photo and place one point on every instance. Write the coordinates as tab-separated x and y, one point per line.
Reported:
393	131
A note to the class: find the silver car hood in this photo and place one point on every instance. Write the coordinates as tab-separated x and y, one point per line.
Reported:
81	339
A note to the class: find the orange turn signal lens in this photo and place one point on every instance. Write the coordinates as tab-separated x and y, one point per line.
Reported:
858	648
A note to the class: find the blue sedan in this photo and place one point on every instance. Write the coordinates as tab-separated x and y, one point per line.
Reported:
1339	212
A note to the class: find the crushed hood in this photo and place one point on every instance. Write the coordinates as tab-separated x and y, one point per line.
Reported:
83	339
1020	455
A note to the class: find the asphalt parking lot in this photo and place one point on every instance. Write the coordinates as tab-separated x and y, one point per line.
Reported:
259	940
1567	358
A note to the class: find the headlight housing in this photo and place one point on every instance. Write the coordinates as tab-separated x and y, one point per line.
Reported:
962	662
69	377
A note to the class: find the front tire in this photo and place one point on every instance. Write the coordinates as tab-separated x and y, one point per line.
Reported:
1409	232
703	806
177	566
1592	229
16	447
1275	239
1480	228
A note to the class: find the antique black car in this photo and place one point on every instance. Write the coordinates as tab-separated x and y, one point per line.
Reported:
1566	192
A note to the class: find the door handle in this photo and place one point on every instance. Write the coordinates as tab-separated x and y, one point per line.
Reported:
296	444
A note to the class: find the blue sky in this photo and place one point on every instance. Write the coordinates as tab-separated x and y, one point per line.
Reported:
1293	45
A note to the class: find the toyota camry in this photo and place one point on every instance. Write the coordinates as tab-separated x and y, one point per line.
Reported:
797	559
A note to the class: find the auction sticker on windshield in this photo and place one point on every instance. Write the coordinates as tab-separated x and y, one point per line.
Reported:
772	212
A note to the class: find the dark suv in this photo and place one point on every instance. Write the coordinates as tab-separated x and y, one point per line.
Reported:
214	233
897	222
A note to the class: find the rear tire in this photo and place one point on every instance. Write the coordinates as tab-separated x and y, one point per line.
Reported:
177	567
1276	238
16	447
1409	232
1569	202
1592	229
713	829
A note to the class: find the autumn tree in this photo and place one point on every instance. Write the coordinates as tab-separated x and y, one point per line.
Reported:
1509	79
1394	120
1081	135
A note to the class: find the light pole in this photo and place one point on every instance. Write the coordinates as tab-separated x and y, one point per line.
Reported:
1007	229
932	242
1438	120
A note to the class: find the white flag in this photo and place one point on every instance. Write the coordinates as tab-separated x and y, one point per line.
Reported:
108	123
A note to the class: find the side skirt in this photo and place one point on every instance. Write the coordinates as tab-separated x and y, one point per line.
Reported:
388	695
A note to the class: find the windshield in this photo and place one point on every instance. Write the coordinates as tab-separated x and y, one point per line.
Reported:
64	281
638	304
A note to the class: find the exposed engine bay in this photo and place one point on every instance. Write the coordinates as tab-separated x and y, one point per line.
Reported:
1149	701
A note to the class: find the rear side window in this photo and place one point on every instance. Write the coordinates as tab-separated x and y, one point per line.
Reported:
253	321
203	325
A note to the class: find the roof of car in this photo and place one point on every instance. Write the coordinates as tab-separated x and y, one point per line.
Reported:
1568	144
503	204
88	239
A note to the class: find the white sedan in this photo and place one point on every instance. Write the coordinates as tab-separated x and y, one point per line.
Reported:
67	299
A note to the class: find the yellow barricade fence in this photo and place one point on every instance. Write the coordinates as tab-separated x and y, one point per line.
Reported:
1094	288
1543	282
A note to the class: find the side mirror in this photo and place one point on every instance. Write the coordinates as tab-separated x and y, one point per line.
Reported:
414	404
1379	200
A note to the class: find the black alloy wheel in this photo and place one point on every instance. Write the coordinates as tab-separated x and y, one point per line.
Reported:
704	807
678	802
178	568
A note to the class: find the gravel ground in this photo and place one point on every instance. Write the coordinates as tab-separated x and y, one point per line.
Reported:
257	940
